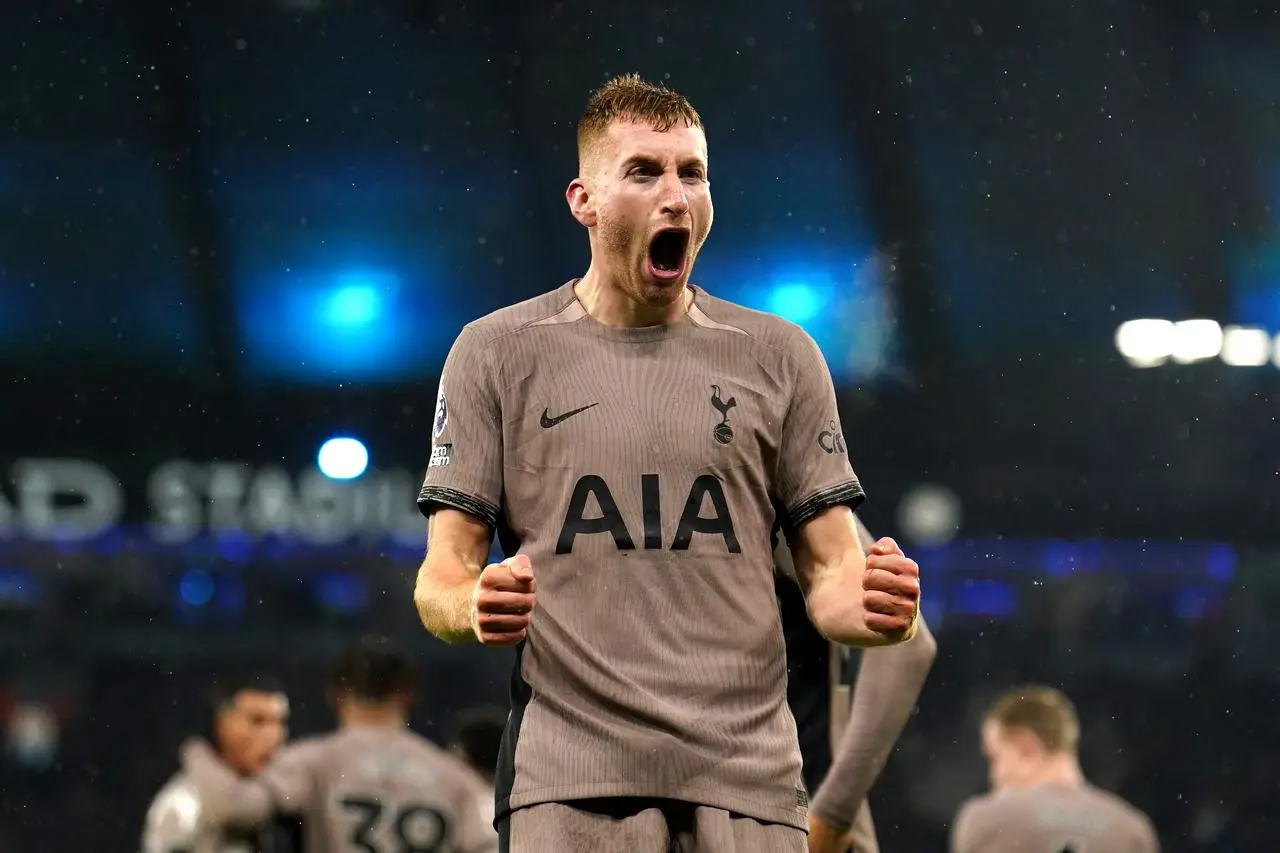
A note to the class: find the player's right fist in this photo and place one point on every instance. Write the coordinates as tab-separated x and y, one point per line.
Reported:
502	603
891	592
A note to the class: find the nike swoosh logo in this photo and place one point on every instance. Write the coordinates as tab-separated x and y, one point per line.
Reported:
548	422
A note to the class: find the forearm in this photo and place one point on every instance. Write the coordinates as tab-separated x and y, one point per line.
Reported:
835	602
444	594
885	692
224	796
832	561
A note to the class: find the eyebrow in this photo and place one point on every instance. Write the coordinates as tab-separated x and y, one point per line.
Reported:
646	160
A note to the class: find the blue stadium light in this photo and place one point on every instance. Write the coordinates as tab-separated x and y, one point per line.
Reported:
353	306
805	294
352	323
343	458
18	587
1192	602
341	593
196	588
798	302
989	598
1221	563
825	289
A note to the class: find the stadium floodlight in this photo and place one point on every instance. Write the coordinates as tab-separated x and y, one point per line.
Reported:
1146	342
343	458
1245	347
1196	340
196	588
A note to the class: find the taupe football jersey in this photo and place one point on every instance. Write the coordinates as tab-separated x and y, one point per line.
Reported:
1052	819
370	789
642	470
177	823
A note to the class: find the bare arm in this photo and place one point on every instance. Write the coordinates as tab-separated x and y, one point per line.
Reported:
457	548
831	569
885	692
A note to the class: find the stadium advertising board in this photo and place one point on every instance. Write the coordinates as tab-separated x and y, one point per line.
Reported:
181	500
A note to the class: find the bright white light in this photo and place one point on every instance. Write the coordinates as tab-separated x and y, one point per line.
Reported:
1145	343
342	458
929	514
1196	340
1245	347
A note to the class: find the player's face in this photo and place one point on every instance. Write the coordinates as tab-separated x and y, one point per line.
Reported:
250	731
1008	761
650	198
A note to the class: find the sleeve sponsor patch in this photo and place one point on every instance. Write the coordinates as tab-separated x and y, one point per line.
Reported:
442	413
440	455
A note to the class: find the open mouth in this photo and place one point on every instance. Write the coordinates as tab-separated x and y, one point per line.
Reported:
667	251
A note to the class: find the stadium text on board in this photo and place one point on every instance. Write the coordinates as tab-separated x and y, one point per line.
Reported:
79	499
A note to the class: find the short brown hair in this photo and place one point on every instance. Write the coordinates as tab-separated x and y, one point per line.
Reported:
629	98
1045	712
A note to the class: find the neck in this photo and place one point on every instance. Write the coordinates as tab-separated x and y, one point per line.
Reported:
374	715
1058	770
605	300
235	767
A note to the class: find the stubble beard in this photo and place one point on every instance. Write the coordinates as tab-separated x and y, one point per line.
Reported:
626	262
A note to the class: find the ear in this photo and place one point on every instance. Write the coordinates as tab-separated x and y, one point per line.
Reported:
580	203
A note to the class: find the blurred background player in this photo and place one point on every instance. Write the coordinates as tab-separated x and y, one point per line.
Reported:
249	718
476	739
373	785
1039	799
845	740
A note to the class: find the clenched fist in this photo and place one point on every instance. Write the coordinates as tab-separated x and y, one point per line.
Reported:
502	603
891	591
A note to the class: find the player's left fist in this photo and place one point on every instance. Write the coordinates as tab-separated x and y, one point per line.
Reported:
891	591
